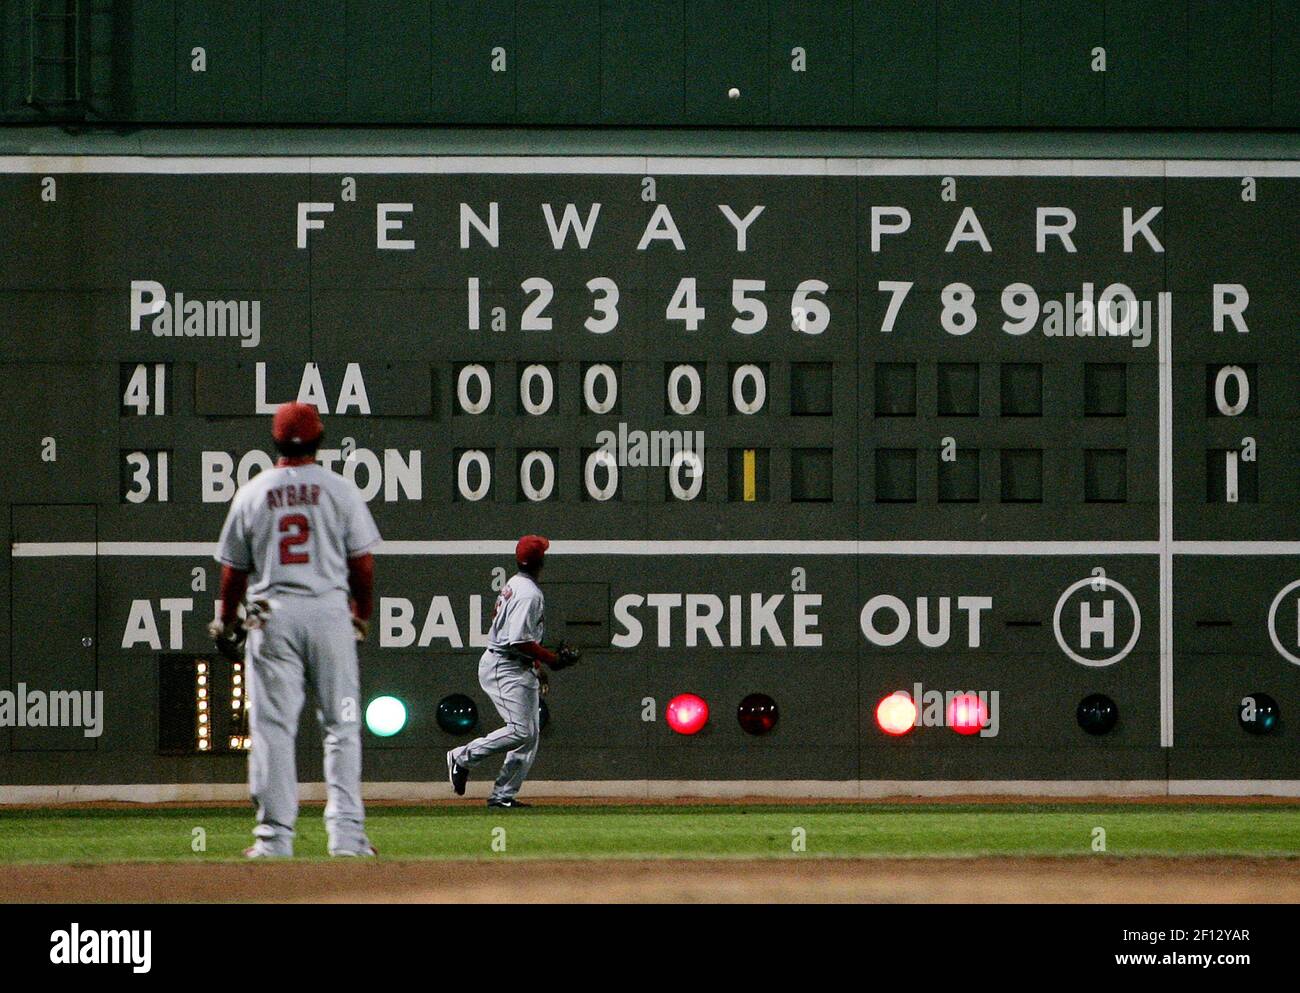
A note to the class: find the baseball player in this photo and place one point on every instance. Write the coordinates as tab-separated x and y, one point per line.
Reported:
297	540
512	676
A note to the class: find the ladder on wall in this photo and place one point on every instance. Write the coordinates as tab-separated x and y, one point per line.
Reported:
54	56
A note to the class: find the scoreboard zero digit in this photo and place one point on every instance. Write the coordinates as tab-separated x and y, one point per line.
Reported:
818	428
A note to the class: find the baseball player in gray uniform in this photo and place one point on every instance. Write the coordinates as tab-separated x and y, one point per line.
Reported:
512	676
298	541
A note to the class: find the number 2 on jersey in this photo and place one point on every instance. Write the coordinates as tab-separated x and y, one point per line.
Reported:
296	530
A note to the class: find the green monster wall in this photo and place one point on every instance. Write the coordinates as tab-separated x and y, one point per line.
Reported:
952	483
924	469
898	63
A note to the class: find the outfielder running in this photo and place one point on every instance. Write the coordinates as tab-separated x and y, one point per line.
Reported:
297	539
512	676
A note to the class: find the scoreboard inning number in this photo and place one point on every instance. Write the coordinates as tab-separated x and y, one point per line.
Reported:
808	313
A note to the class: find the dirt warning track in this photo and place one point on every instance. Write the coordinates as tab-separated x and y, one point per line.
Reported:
959	880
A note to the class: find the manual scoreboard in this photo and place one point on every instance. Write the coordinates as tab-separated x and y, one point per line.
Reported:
823	429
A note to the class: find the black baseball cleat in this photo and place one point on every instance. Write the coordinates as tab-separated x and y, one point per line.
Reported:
508	804
457	775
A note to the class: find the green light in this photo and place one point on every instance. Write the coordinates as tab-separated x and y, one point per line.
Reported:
385	716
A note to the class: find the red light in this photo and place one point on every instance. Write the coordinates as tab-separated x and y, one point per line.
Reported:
967	713
687	713
896	714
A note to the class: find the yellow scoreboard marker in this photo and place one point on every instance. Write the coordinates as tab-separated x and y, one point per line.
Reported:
750	494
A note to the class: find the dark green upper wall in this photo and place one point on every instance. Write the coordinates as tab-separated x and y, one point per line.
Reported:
899	63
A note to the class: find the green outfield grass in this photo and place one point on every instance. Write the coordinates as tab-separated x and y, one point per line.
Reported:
592	832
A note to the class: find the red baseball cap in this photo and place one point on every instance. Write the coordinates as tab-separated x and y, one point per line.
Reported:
296	424
531	550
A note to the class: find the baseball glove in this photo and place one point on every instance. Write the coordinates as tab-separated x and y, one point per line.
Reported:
229	638
256	613
565	657
360	628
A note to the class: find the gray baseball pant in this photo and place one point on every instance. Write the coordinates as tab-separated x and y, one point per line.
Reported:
515	691
305	640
